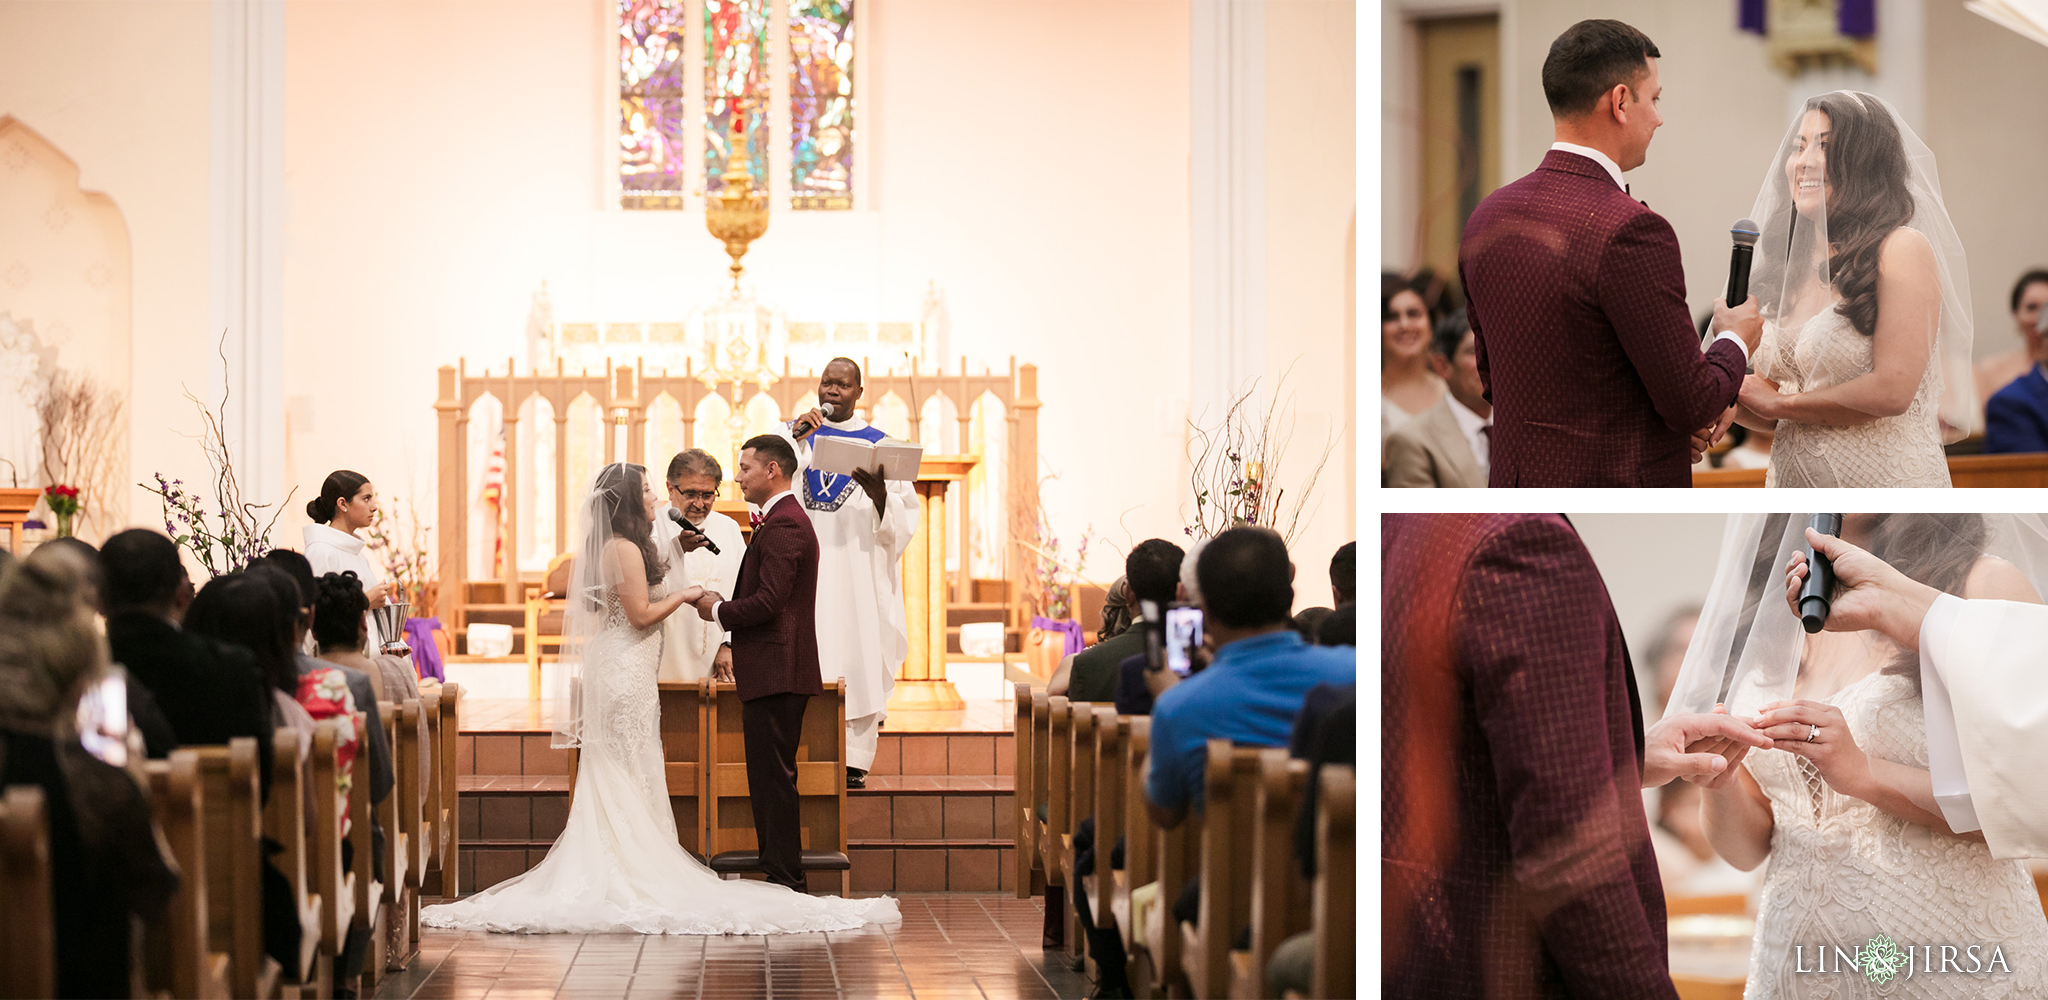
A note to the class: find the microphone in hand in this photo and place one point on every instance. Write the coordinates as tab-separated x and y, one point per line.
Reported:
1817	593
1745	233
684	523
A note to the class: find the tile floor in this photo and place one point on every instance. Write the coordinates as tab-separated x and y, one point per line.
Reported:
948	947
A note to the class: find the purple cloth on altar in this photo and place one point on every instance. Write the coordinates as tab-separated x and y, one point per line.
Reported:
426	653
1856	18
1749	15
1066	626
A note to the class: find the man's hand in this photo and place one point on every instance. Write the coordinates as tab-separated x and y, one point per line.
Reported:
690	541
815	418
1762	397
1745	321
1869	593
1160	681
1701	748
877	489
721	664
693	594
705	603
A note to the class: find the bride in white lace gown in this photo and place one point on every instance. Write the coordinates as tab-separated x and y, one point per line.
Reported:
1844	810
1864	367
618	865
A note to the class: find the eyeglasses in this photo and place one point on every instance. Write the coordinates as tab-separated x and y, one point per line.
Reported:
697	496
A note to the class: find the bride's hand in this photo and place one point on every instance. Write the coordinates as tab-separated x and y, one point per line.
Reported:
1819	732
692	595
1762	397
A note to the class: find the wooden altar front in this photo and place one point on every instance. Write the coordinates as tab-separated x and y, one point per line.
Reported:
921	684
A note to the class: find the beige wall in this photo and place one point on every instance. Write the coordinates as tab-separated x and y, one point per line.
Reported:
1653	565
1310	212
120	89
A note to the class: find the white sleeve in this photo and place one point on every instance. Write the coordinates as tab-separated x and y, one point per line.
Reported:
1989	659
899	521
1944	748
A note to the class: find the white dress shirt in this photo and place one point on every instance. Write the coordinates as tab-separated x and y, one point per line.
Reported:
765	508
1473	426
1614	170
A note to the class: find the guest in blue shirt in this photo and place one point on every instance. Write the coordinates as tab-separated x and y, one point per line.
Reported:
2016	418
1254	686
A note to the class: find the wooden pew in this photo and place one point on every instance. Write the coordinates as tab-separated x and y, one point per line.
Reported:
369	893
1023	800
1280	903
1334	915
1097	890
284	820
443	871
685	728
1058	775
179	945
1034	799
1964	471
397	847
234	857
336	886
28	929
820	786
1230	779
414	761
1140	836
1080	803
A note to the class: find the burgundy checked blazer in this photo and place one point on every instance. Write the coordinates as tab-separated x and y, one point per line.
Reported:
1577	300
1514	853
773	614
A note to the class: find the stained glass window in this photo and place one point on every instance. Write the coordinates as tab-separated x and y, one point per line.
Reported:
651	103
735	75
821	104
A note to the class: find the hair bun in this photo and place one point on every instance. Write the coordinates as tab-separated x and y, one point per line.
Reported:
313	510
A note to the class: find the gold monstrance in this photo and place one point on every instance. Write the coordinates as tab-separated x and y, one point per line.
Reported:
738	214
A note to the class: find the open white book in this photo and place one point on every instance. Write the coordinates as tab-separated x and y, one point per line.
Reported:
842	455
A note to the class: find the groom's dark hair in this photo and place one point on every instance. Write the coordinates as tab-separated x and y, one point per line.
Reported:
1590	59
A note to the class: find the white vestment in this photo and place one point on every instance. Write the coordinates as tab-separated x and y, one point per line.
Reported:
332	550
689	643
860	586
1984	678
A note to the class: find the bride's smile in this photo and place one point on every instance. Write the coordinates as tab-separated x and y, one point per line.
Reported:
1807	168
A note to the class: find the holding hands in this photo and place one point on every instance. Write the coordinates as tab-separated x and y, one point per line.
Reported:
1819	733
706	600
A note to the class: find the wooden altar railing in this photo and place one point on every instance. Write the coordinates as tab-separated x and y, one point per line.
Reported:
1965	471
623	399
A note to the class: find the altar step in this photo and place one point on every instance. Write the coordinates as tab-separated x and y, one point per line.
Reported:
514	615
937	815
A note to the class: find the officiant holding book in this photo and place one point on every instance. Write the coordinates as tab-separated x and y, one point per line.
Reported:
864	522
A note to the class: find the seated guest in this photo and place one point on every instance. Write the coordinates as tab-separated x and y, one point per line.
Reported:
1151	573
1446	445
1116	620
1325	733
300	572
1751	450
340	630
2016	416
1341	628
1344	574
1133	687
1408	388
1308	622
107	868
144	717
207	693
2029	295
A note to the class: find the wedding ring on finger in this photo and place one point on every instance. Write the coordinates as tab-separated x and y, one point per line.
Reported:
1811	732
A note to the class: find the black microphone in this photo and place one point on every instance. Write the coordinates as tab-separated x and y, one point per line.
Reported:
799	428
1820	576
677	516
1745	233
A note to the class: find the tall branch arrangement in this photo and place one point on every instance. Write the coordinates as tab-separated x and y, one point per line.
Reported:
400	544
237	534
81	442
1237	460
1049	575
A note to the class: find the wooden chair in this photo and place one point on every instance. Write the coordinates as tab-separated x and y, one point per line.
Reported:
820	787
234	858
1023	800
284	820
544	615
685	727
1334	915
414	762
179	945
28	923
1230	786
444	739
369	893
397	846
1080	802
1280	903
336	886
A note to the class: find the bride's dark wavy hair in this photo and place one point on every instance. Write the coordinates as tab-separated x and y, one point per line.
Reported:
1867	171
1938	550
628	517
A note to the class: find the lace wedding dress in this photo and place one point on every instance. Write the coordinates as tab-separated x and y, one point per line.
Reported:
618	866
1842	872
1903	450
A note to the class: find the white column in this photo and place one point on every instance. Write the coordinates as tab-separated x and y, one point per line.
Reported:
1228	218
246	240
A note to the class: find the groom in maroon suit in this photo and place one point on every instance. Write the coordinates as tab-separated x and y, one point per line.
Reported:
1577	293
774	624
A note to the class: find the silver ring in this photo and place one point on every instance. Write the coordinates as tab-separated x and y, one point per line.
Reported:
1811	732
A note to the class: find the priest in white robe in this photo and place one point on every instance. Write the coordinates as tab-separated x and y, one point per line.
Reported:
863	523
1984	685
692	648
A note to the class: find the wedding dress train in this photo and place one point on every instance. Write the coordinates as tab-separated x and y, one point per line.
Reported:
618	866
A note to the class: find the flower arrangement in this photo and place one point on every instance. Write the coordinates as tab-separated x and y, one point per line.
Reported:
64	505
1049	576
236	535
408	565
1235	463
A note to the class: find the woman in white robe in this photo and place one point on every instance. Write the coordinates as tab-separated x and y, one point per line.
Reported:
345	506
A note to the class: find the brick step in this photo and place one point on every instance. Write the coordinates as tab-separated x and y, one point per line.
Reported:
935	784
989	756
512	784
926	845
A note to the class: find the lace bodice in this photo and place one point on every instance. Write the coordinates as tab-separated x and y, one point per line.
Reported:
1842	872
1904	450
